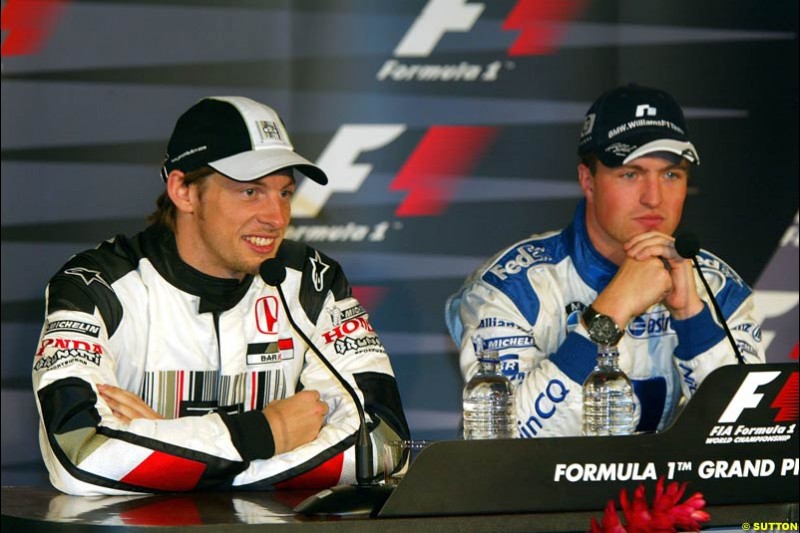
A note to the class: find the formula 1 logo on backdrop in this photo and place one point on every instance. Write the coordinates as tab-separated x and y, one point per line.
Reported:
428	180
539	23
27	25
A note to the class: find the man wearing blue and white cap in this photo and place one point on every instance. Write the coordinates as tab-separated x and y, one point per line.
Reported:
167	364
633	121
612	277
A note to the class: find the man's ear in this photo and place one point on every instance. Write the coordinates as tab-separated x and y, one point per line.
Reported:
179	191
586	181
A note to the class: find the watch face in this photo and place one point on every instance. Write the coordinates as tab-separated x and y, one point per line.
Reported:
603	329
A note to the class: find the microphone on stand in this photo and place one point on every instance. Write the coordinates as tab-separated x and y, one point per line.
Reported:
687	245
365	497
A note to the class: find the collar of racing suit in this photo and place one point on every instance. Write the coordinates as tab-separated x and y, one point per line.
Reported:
216	294
594	269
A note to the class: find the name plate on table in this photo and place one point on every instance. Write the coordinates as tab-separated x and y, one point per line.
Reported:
736	442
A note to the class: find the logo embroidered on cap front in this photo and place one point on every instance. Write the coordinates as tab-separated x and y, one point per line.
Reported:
268	130
644	109
620	149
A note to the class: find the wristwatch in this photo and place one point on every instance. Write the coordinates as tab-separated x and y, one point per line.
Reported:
602	328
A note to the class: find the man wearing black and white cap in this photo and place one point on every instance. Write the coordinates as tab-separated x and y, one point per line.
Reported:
612	277
167	364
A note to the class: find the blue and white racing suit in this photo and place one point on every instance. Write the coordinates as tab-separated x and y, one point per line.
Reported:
526	302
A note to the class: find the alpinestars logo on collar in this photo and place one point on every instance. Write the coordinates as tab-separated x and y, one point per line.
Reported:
318	269
88	276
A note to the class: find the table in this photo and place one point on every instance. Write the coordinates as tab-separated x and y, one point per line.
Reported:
35	509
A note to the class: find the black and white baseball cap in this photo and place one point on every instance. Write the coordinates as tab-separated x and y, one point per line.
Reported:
236	136
632	121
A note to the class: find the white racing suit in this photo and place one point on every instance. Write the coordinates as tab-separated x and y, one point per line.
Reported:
208	354
527	300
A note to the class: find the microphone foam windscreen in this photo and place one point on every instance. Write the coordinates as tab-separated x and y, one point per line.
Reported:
272	272
687	245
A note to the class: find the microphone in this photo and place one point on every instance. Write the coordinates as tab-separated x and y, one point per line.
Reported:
273	273
687	245
365	497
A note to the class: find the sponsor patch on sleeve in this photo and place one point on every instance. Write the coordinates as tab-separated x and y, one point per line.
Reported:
339	316
752	328
359	325
58	353
496	322
518	260
72	326
510	367
358	345
503	343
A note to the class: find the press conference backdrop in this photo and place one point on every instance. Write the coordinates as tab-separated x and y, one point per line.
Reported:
448	129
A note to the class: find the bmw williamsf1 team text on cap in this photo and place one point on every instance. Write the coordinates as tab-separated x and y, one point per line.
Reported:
632	121
236	136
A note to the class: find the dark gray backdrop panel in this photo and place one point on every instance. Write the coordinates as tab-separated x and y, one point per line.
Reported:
87	109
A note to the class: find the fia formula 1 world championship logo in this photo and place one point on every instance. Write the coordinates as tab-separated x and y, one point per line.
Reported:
729	430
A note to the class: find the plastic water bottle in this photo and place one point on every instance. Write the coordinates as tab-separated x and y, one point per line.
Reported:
488	400
609	407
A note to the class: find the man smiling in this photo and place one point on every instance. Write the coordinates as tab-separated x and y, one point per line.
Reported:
612	277
166	364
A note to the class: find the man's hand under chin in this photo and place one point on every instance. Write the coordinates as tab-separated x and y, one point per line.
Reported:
683	300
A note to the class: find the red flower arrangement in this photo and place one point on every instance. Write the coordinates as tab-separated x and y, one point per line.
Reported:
665	516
